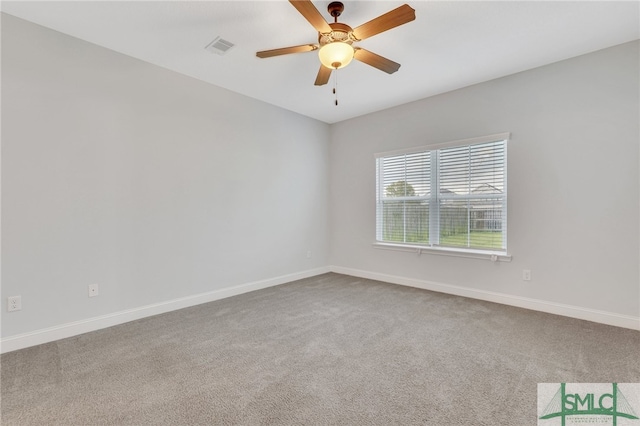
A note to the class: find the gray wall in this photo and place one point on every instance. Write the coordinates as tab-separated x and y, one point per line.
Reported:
152	184
573	181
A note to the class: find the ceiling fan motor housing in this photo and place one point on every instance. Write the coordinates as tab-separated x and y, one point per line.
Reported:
340	32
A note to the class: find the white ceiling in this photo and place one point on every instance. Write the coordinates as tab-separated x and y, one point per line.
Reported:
451	44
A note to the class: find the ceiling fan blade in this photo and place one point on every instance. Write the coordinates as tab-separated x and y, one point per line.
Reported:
311	14
286	50
323	76
376	61
392	19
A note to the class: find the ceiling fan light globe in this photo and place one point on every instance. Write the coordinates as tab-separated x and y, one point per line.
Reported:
336	55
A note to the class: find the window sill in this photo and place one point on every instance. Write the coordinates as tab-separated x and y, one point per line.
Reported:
442	251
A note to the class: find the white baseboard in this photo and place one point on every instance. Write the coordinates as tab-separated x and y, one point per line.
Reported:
63	331
25	340
578	312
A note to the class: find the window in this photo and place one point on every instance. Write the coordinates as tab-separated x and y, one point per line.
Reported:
451	197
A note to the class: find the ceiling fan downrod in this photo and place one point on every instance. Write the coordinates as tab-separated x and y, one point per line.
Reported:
335	9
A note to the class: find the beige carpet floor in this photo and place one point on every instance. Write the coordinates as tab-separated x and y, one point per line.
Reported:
328	350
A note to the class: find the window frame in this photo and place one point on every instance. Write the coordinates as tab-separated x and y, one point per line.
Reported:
436	197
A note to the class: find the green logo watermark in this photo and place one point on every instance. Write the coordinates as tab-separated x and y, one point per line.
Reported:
588	403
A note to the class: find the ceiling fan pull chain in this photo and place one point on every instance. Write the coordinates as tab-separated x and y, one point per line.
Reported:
335	85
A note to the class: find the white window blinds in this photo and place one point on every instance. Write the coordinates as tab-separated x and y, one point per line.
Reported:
453	197
403	194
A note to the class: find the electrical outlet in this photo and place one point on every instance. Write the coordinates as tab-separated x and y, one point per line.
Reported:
14	303
526	275
93	290
308	254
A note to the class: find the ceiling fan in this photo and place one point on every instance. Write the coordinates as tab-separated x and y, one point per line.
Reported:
335	40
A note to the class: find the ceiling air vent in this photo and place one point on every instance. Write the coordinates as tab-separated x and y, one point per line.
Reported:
219	46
